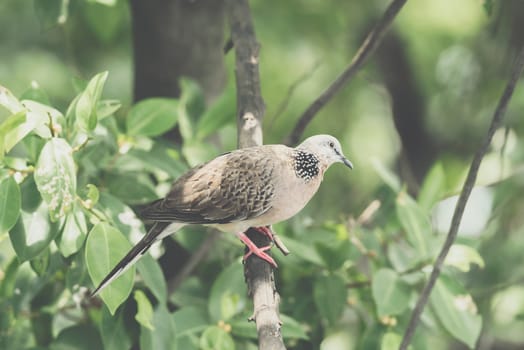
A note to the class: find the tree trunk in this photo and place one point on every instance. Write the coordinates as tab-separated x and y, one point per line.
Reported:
176	38
409	109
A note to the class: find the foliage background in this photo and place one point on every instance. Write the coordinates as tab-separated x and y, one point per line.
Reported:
349	283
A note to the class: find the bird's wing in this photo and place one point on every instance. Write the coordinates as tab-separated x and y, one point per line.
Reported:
233	187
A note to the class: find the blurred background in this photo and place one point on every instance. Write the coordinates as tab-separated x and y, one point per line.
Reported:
420	106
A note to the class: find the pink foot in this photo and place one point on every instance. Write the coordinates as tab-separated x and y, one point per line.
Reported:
273	237
258	251
266	231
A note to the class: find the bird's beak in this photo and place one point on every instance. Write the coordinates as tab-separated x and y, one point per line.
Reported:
347	162
344	160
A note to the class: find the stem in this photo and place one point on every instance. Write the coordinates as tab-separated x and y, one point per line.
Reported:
364	52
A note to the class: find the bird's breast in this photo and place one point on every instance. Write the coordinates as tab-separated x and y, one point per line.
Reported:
292	198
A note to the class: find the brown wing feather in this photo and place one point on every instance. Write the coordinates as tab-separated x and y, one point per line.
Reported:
235	186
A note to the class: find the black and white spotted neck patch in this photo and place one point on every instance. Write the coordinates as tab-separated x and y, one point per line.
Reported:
306	165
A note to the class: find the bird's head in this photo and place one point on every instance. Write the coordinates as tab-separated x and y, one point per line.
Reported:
327	148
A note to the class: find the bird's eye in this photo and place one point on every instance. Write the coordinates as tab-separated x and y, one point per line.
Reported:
331	144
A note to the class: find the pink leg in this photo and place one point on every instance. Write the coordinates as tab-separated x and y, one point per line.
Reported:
266	231
258	251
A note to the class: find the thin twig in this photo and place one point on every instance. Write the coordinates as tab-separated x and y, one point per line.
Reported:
366	49
280	245
463	198
290	91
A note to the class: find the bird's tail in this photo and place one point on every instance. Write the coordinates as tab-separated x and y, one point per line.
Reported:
158	231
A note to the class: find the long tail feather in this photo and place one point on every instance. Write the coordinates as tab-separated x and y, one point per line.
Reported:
158	231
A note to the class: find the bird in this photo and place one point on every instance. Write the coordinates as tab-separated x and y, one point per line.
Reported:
249	187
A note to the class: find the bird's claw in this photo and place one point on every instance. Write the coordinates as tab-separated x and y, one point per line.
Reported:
274	238
254	249
261	253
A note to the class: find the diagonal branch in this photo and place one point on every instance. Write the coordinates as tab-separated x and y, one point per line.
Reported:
366	49
463	198
250	110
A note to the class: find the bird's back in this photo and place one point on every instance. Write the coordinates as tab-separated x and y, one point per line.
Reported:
235	186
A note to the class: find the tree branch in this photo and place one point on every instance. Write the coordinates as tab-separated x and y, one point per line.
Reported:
250	110
463	198
366	49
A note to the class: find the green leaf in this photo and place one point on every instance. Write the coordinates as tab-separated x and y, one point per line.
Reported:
333	255
144	314
432	188
415	222
32	233
190	320
243	329
143	188
105	247
74	233
33	146
7	287
104	21
390	293
152	117
198	152
191	106
462	257
80	337
41	262
303	251
228	293
372	336
121	215
44	118
158	158
106	108
292	329
9	101
191	292
456	312
215	338
31	198
153	277
330	293
113	331
340	339
55	177
10	202
192	97
76	274
164	335
402	256
92	194
387	175
87	103
390	341
11	127
220	114
20	126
